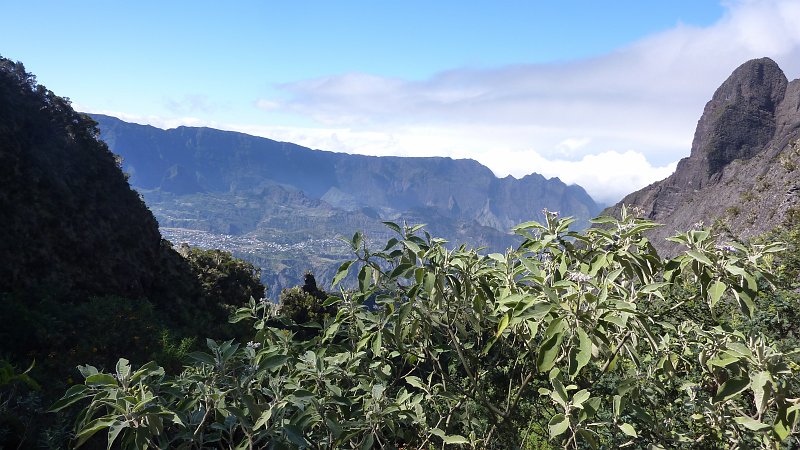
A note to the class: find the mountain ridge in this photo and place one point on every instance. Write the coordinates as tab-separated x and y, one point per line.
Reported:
740	174
279	195
372	181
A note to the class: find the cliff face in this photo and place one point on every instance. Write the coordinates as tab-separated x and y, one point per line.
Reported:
741	170
189	160
71	225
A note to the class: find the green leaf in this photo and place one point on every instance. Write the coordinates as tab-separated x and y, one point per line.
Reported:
628	429
548	353
295	434
412	246
376	343
784	422
559	393
91	428
617	405
502	325
415	382
580	397
113	431
334	426
730	389
758	383
751	424
715	291
394	227
123	368
652	287
723	362
341	273
101	379
588	437
273	361
558	425
438	432
365	278
74	394
369	441
582	355
696	255
263	419
401	270
455	439
746	304
202	357
149	369
355	243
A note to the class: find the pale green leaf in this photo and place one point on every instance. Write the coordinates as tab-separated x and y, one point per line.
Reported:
751	424
558	425
502	325
455	439
628	429
698	256
715	291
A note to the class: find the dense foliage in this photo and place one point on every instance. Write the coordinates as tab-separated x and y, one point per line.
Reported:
57	334
572	340
306	304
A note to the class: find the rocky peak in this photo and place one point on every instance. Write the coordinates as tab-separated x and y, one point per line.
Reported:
742	171
741	116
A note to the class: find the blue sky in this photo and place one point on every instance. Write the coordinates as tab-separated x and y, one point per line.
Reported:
604	94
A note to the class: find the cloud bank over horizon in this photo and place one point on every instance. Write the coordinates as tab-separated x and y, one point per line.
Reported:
612	123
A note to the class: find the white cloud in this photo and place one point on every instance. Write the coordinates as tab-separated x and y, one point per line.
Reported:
568	146
642	101
267	105
188	104
609	176
612	124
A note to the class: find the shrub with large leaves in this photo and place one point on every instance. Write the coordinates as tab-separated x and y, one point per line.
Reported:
572	340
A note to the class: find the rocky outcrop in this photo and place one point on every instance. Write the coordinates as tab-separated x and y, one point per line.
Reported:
741	170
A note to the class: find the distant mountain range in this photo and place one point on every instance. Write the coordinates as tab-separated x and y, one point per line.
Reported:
743	173
283	206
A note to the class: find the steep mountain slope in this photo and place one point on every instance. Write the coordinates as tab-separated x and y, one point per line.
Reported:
741	173
70	221
85	276
291	202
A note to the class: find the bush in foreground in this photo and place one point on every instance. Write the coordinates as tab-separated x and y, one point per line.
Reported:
572	340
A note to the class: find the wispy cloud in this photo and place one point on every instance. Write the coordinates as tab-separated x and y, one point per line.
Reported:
634	110
189	104
612	123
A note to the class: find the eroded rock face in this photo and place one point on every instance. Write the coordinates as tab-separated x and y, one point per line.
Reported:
740	173
740	118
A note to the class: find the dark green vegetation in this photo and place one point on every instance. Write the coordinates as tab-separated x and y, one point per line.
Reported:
286	204
85	275
573	340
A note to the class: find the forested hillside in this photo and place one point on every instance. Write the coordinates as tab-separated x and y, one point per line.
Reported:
84	273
